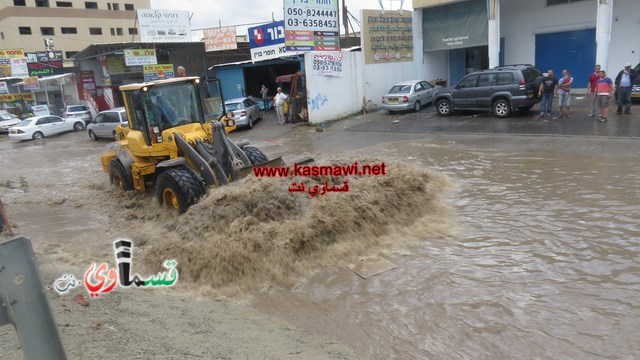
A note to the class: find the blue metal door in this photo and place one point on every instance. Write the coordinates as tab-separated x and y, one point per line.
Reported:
457	63
571	50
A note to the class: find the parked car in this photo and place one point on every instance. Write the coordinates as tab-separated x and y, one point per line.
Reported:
635	90
7	120
501	90
38	127
105	123
260	102
243	111
78	111
413	94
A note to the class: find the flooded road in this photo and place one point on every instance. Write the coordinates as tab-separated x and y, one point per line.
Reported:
546	264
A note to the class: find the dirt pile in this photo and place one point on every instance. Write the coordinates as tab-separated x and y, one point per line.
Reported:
256	233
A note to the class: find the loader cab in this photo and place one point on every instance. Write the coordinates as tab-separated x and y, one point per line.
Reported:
156	106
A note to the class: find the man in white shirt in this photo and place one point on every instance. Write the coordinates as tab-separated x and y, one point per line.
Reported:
279	100
624	83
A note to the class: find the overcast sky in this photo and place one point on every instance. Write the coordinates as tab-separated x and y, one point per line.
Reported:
211	13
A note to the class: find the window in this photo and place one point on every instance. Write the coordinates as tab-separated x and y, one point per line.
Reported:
119	31
91	5
486	79
19	3
108	6
504	79
24	30
69	30
426	85
95	31
42	3
560	2
133	31
70	54
468	82
116	6
47	31
128	7
64	4
113	31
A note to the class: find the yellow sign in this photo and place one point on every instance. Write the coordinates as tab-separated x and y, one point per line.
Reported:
5	59
158	72
387	37
16	97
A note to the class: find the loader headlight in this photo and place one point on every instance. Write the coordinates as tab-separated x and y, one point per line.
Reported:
230	122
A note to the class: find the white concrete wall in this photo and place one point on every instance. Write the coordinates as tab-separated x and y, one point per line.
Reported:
332	97
379	78
625	27
522	20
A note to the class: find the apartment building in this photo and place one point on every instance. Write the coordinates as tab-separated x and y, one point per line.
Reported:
72	25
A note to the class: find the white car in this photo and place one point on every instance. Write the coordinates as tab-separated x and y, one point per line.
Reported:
38	127
7	120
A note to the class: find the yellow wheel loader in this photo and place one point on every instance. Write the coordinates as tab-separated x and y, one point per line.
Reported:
176	141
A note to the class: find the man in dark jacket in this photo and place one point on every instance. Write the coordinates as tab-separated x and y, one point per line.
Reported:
624	84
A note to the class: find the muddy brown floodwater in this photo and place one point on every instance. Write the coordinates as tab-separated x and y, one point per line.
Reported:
506	248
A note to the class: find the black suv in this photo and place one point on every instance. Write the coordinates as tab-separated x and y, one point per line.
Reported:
501	90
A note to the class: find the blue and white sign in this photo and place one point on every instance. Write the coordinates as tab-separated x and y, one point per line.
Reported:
267	41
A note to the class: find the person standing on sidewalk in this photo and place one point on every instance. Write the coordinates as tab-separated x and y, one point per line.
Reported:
564	86
547	90
264	93
279	100
591	88
624	83
603	91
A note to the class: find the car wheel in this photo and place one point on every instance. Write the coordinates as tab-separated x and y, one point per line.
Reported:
250	122
37	135
178	188
417	106
78	126
502	108
444	107
92	136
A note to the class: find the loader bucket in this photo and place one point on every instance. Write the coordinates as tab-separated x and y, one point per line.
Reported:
245	171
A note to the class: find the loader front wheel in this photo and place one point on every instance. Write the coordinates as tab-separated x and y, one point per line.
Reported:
256	156
118	176
178	188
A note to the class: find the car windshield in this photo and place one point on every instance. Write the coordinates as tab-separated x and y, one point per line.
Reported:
400	89
25	122
6	117
232	106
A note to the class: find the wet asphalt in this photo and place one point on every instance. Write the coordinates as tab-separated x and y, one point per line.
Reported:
527	123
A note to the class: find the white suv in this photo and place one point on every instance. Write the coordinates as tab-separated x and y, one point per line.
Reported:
105	123
78	111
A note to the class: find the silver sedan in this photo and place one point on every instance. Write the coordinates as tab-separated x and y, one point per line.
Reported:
243	111
413	94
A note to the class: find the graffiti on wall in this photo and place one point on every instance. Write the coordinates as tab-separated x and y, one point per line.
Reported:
318	101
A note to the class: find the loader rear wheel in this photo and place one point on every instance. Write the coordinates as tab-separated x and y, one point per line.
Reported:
178	188
256	156
118	176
